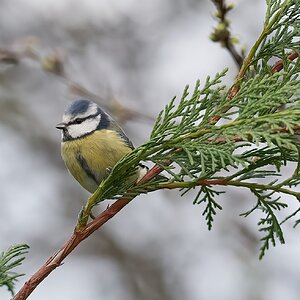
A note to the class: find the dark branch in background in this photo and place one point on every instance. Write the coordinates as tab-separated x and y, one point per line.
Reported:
54	63
222	33
8	57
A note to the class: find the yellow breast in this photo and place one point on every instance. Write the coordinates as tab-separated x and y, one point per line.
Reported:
89	158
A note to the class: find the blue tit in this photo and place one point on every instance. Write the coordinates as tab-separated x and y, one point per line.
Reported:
92	143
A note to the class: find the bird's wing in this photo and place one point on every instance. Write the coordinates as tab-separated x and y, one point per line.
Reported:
114	125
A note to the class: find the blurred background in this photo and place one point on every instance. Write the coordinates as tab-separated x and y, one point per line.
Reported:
132	57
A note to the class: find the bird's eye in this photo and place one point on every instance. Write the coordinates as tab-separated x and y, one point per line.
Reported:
78	121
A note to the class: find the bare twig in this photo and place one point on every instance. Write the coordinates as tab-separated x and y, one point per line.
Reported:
54	62
222	33
79	234
8	57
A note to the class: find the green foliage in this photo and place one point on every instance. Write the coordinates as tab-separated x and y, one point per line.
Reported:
211	138
281	30
265	93
186	128
269	222
10	259
207	196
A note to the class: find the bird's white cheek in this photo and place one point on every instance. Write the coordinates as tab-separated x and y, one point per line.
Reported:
76	130
87	126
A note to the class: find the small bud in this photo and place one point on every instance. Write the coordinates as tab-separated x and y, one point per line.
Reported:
213	37
230	6
226	22
234	40
221	27
217	14
220	33
53	63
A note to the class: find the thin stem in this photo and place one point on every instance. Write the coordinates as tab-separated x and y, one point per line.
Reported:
290	216
76	238
225	38
80	233
249	59
258	186
226	182
232	50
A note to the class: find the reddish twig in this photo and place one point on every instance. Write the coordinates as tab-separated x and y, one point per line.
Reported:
76	238
278	66
233	91
237	139
202	182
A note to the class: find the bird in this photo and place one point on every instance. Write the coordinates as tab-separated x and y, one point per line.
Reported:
92	143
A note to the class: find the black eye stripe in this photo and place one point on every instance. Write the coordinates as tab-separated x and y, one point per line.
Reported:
80	120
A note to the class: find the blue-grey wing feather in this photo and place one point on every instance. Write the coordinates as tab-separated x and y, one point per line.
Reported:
107	122
118	129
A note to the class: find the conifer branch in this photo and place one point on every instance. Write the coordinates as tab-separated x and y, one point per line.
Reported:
272	23
9	260
254	141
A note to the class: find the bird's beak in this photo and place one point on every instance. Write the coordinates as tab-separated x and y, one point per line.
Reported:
61	126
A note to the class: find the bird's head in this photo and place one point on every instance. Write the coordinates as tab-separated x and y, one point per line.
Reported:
81	118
